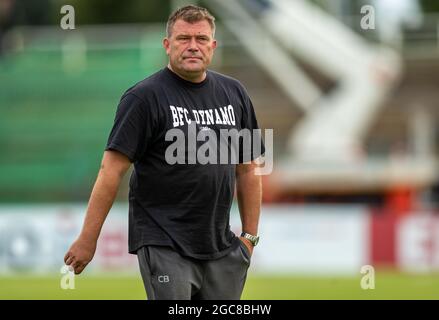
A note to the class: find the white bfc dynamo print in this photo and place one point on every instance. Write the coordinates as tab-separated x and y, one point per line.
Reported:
223	115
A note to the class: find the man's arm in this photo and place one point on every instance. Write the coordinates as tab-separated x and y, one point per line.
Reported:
249	192
113	167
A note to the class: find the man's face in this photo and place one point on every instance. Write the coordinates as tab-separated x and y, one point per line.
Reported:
190	49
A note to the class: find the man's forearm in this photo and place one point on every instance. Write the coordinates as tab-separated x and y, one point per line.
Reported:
113	167
101	199
249	192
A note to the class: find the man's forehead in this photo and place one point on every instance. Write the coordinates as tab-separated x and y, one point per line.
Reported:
199	27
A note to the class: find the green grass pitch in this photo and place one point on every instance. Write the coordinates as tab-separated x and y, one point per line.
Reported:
388	285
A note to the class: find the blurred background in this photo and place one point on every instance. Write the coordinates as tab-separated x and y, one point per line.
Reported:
350	88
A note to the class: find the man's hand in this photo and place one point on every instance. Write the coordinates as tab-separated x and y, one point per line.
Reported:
80	254
248	244
113	167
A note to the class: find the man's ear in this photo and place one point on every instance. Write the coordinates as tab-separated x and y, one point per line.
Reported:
166	45
214	44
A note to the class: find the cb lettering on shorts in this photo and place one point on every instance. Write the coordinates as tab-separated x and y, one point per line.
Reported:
163	279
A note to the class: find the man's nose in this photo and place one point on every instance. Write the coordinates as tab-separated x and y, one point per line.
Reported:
193	46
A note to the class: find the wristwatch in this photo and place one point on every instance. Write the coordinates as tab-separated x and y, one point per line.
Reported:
253	239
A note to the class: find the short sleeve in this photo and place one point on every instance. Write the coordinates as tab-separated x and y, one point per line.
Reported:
253	150
132	129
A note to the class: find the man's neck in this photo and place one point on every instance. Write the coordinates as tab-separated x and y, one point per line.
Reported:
195	79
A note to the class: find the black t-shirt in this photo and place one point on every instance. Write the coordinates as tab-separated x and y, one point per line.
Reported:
184	205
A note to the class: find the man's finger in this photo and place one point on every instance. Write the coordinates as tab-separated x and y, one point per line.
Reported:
69	261
67	256
80	268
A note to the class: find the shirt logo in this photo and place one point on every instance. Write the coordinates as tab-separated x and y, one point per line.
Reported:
223	115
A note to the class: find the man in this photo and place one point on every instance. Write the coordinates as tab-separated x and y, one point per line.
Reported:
179	213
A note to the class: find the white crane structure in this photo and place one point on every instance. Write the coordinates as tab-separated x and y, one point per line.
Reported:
327	144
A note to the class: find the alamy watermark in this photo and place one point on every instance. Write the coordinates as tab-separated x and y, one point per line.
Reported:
210	136
68	279
204	145
368	280
68	20
368	18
